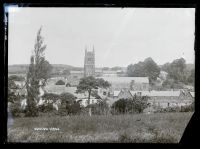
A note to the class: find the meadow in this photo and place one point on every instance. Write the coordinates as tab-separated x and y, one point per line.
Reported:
137	128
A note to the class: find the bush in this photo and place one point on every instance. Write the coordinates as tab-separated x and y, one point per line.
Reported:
45	108
15	109
187	108
129	106
69	109
68	85
74	109
100	108
16	78
60	82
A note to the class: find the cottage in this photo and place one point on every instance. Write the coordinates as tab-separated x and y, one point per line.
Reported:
161	99
166	99
82	97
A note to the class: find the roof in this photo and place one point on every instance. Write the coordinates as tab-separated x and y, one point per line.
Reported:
126	79
157	93
116	93
192	94
58	89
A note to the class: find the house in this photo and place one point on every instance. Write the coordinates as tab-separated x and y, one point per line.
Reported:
131	83
82	97
161	99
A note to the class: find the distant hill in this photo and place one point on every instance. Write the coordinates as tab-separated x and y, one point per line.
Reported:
23	68
18	69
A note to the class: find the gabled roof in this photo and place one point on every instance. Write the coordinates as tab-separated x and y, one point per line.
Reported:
126	79
192	94
157	93
116	93
58	89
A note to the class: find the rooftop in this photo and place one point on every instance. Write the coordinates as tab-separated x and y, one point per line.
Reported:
193	94
157	93
126	79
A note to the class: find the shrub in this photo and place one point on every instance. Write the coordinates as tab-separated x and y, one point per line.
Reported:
45	108
60	82
15	109
135	105
68	85
69	109
188	108
16	78
74	108
100	108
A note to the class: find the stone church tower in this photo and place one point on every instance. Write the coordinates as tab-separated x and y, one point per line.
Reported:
89	63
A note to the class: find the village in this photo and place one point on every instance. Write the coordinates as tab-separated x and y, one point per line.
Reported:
122	87
95	75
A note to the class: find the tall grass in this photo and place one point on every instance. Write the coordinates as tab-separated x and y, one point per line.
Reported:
159	127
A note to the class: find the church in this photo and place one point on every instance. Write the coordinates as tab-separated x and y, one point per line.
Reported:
89	63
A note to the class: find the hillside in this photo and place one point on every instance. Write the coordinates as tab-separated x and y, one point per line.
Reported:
23	68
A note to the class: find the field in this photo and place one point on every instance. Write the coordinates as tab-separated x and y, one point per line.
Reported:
151	128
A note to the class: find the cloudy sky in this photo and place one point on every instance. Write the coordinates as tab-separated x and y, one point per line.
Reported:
120	36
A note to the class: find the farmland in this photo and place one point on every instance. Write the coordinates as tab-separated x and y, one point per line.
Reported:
152	128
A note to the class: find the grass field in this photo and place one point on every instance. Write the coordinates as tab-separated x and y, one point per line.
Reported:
152	128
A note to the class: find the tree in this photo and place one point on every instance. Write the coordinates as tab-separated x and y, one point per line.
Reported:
132	105
16	78
37	75
60	82
66	72
191	77
147	68
11	91
88	84
116	68
100	108
176	70
105	68
151	69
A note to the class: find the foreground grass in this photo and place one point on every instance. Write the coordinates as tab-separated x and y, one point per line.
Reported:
158	127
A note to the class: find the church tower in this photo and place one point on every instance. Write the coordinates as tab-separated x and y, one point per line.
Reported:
89	63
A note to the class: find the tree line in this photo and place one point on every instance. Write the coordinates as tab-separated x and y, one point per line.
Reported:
178	74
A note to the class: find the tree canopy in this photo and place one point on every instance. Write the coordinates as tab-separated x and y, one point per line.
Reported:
147	68
87	84
38	73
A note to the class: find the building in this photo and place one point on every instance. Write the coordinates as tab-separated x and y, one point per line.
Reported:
109	73
130	83
89	63
157	99
82	97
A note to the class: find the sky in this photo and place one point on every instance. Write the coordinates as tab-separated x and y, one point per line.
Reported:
120	36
